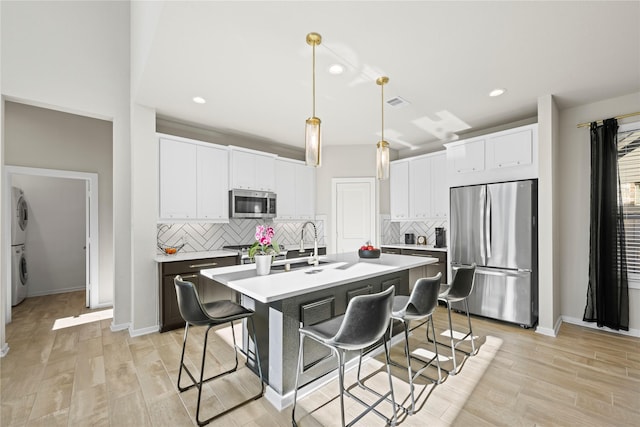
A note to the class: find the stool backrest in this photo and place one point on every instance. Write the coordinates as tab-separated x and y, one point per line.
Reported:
365	321
189	303
462	283
424	297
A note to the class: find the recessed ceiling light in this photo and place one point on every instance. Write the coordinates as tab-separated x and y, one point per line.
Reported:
497	92
336	69
199	100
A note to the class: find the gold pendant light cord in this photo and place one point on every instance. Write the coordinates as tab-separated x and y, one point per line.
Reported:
314	80
382	108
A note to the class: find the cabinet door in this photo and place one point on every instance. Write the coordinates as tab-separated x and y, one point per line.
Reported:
212	183
399	190
170	317
509	150
243	171
439	188
285	189
305	192
178	181
310	314
419	188
264	173
468	157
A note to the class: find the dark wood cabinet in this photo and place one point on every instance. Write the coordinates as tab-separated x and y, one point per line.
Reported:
208	290
295	253
431	269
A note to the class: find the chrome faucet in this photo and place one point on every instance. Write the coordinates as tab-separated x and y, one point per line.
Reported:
314	259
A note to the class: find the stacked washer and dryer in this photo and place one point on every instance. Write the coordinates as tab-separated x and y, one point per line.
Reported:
19	220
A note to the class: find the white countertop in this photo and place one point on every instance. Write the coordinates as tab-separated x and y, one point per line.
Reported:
340	269
416	247
186	256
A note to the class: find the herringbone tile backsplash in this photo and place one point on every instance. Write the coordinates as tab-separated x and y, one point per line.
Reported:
393	232
208	237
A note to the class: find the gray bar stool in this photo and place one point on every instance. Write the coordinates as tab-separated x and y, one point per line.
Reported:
420	306
364	323
459	290
211	314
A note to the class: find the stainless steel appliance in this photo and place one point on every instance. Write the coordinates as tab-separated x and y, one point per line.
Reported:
494	225
252	204
441	240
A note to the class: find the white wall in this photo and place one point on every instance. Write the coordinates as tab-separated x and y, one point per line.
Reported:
345	162
41	138
55	236
574	153
74	57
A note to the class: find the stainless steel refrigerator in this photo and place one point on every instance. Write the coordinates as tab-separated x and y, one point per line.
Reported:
494	225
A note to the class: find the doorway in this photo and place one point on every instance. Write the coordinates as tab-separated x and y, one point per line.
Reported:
87	185
354	207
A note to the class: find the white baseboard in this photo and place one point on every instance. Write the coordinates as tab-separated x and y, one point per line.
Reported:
56	291
120	327
143	331
550	332
593	325
4	350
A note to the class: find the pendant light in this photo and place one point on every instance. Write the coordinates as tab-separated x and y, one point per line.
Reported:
312	127
382	146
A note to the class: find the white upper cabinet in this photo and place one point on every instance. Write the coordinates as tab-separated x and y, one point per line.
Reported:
439	187
468	156
399	189
513	149
252	170
178	180
285	189
305	192
213	183
419	188
295	189
193	180
507	155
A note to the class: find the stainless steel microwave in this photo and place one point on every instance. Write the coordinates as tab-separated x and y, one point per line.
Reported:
252	204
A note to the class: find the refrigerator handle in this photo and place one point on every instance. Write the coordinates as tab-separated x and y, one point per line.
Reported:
488	225
483	234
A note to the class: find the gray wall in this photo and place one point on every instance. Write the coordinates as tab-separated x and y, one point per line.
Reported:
574	153
40	138
55	237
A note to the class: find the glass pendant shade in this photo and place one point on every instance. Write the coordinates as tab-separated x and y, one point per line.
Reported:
312	142
382	160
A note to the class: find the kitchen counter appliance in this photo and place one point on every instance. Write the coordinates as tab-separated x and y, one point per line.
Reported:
494	226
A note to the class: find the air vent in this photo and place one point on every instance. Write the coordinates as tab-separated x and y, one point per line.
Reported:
397	102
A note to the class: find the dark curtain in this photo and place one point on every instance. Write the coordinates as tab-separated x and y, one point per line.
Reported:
608	293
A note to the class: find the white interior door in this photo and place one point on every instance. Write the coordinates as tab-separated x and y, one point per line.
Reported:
354	213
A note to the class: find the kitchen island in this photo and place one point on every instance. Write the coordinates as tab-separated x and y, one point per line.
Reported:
305	295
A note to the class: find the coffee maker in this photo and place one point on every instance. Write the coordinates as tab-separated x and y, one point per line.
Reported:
410	239
441	240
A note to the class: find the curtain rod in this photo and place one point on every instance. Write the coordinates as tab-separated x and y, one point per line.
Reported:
623	116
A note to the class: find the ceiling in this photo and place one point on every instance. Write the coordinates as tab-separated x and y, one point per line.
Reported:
251	63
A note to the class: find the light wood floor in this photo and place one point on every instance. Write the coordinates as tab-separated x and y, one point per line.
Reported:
88	375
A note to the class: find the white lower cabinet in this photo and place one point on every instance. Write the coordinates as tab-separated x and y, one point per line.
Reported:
295	189
193	180
418	188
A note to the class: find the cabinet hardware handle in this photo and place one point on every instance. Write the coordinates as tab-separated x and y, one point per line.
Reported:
207	264
190	276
